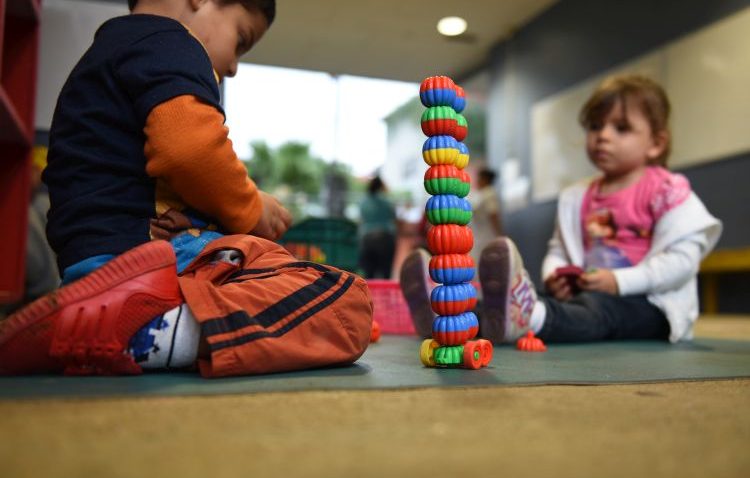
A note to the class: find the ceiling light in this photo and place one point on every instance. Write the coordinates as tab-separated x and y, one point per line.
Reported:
451	26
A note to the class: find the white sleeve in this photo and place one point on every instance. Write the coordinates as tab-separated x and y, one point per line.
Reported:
556	256
665	271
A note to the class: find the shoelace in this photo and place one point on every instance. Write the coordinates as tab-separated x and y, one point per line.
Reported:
523	295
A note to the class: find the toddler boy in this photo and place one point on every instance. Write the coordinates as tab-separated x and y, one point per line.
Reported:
162	239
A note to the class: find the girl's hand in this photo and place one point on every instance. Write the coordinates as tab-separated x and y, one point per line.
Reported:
558	287
599	280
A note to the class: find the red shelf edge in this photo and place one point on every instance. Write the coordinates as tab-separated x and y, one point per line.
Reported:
10	296
24	8
16	133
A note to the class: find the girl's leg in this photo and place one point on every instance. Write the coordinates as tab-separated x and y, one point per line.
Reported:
271	312
511	307
593	316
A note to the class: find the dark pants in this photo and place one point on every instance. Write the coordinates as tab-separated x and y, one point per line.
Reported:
591	316
376	254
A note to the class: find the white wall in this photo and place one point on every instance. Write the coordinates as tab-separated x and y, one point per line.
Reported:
707	76
404	167
67	30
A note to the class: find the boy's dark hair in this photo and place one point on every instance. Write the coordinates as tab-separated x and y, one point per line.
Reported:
267	7
647	94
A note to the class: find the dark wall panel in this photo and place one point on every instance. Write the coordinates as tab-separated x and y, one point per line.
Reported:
577	39
724	188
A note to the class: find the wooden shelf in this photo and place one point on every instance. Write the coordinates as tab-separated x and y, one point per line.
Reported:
12	129
23	9
19	53
14	214
19	66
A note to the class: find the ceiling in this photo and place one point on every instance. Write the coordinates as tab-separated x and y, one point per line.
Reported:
393	39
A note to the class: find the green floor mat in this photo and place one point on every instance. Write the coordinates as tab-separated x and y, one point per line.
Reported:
394	363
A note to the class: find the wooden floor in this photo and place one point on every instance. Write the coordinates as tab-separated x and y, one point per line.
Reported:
724	327
684	429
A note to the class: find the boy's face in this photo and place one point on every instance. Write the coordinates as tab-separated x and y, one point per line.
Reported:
227	32
623	141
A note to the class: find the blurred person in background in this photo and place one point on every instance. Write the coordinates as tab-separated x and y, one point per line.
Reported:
485	222
377	232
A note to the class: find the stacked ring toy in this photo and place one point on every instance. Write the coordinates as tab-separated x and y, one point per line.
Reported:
450	239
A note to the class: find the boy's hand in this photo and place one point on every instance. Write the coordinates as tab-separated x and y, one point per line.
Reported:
559	287
274	221
599	280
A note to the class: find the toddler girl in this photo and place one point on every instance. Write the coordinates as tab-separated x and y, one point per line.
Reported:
636	229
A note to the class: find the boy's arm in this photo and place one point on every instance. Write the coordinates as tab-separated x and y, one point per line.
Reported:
187	146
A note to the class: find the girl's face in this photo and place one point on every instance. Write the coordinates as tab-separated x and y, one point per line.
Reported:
623	143
227	32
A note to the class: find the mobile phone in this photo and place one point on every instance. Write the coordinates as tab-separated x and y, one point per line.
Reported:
571	274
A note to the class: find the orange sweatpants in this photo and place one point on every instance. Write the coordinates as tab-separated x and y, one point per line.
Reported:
273	313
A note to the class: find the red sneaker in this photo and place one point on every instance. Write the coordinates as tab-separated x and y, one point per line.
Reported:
84	328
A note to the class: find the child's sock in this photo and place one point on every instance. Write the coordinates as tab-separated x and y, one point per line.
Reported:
168	341
171	340
536	322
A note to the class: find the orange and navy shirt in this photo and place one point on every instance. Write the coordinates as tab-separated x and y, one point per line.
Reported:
138	147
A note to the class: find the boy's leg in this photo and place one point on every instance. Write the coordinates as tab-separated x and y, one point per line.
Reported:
273	313
593	316
416	286
84	327
509	302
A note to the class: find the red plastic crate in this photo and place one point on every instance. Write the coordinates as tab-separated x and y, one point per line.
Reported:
390	309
